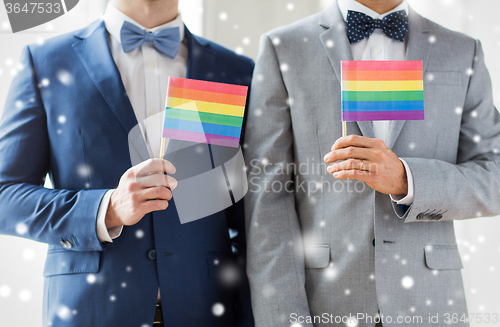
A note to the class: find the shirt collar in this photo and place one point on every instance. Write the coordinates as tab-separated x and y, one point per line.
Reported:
346	5
114	18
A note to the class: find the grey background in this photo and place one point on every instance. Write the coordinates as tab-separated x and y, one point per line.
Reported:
238	24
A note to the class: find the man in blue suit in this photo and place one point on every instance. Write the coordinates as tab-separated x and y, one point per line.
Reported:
118	255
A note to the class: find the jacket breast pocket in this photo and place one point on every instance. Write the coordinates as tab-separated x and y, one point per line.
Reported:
317	256
71	262
442	257
443	78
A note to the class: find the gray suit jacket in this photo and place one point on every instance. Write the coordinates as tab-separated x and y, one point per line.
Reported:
321	247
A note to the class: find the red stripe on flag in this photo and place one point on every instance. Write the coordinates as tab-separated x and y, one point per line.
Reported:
192	84
382	65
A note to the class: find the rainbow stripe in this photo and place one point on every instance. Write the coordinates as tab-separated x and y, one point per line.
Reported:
204	112
382	90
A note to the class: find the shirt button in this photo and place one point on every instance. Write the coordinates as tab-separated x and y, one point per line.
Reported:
150	64
378	50
152	112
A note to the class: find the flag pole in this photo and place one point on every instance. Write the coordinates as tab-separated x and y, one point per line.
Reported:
162	149
344	124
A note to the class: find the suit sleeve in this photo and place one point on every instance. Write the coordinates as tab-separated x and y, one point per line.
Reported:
28	210
275	260
469	188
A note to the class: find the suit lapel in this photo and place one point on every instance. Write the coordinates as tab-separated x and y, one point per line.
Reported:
92	49
201	60
418	48
332	19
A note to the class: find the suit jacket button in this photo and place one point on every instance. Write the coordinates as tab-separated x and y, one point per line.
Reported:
433	216
439	216
152	254
66	244
420	216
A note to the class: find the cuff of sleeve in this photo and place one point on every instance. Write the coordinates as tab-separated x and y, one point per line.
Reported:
408	198
104	234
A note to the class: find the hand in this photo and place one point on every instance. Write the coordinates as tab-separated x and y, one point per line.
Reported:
370	161
142	189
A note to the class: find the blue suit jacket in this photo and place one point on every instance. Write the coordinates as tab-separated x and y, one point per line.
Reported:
86	153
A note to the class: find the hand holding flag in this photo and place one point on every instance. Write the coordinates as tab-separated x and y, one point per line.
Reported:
376	90
370	161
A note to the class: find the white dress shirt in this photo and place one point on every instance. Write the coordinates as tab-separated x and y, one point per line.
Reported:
380	47
144	72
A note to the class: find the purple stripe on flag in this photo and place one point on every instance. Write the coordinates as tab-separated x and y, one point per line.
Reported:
382	115
201	137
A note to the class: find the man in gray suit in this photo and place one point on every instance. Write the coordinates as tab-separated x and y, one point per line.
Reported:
374	243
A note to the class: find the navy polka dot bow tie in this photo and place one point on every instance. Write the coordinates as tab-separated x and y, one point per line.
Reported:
360	26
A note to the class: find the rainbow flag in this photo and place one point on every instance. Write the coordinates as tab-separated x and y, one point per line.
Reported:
382	90
204	112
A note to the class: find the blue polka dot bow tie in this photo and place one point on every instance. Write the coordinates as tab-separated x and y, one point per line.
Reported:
166	41
360	26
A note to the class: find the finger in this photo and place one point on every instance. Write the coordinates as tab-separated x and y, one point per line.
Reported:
154	205
357	141
171	183
158	179
348	153
155	193
152	166
348	164
359	175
